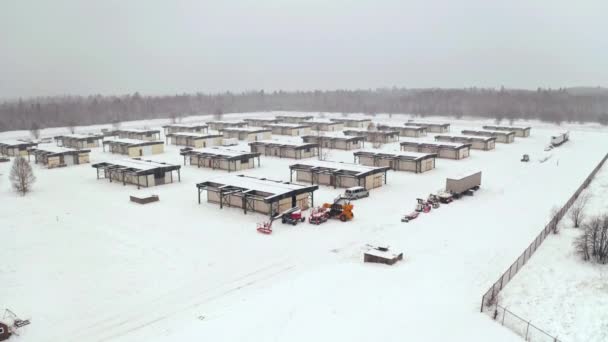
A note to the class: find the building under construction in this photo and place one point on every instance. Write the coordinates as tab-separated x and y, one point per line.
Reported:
354	123
404	131
79	140
13	148
195	140
247	133
221	159
338	175
505	137
431	127
337	141
442	149
520	132
477	142
260	195
280	149
142	173
134	148
291	129
54	156
187	128
374	137
219	125
398	161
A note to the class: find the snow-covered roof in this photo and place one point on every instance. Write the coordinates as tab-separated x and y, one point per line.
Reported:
322	121
49	148
259	184
227	122
451	144
133	141
247	129
357	168
281	142
417	123
412	155
81	136
13	142
195	135
486	131
138	130
187	125
462	136
221	151
138	164
382	254
288	125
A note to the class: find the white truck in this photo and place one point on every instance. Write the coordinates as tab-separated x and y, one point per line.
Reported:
465	185
559	139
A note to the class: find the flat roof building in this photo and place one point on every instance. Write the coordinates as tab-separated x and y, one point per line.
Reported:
293	118
505	137
13	148
136	133
79	140
443	150
187	128
398	161
404	131
54	156
134	148
374	137
338	142
324	125
521	132
338	175
247	133
282	149
354	123
291	129
196	140
261	122
260	195
477	142
430	126
138	172
221	159
219	125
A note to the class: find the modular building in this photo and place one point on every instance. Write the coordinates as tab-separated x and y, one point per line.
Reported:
134	148
505	137
477	142
247	133
293	118
291	129
221	159
324	125
338	142
260	195
13	148
431	127
521	132
219	125
187	128
339	175
79	140
137	134
404	131
195	140
55	156
138	172
398	161
443	150
354	123
281	149
374	137
261	122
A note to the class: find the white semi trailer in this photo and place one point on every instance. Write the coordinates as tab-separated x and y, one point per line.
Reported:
463	185
559	139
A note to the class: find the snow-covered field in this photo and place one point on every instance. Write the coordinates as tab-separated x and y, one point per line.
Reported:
85	264
557	290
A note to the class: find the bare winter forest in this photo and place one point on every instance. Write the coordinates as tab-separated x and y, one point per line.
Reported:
557	106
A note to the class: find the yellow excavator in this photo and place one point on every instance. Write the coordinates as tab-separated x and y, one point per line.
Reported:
341	209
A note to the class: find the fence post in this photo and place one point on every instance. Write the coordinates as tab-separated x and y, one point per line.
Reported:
527	328
504	313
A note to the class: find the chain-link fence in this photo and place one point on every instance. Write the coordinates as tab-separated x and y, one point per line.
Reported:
489	298
521	326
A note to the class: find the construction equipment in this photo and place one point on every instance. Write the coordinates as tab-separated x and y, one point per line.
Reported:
525	158
422	206
445	197
341	208
318	215
411	216
11	322
433	200
293	216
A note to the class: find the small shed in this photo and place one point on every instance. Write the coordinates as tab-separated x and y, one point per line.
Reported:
221	158
293	118
282	149
374	137
432	127
261	195
136	133
338	175
187	128
477	142
324	125
134	148
505	137
261	122
335	141
354	122
382	255
55	156
13	148
79	140
219	125
247	133
143	173
520	132
404	131
291	129
398	161
442	149
196	140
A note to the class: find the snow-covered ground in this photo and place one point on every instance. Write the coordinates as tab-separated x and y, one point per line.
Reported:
558	291
85	264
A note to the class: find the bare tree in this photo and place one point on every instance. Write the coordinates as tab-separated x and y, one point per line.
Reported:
22	176
218	114
173	117
577	211
72	127
35	130
116	124
593	243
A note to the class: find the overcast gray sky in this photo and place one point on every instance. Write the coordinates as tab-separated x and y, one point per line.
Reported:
159	47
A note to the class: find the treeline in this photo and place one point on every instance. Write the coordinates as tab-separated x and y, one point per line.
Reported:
555	106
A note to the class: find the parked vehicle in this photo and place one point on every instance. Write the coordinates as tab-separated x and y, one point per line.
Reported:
411	216
525	158
293	216
318	215
356	192
560	139
445	197
464	185
423	206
